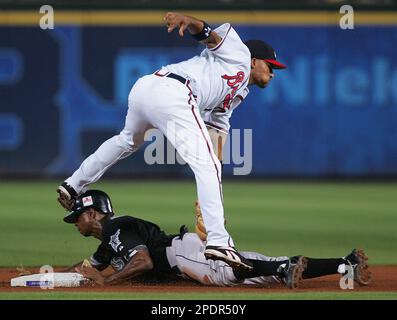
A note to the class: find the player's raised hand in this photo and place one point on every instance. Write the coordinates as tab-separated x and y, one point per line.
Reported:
174	19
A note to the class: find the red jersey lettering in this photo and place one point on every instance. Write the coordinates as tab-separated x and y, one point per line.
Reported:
233	82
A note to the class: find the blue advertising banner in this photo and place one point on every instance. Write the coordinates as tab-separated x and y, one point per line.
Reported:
332	112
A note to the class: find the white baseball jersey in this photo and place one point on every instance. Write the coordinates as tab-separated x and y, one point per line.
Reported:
218	77
219	118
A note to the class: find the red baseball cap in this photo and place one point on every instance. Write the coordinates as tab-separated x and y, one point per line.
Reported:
261	50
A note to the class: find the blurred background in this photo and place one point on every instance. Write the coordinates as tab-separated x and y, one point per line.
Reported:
331	114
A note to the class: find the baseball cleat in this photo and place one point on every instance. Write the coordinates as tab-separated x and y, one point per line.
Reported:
292	271
228	255
66	196
357	259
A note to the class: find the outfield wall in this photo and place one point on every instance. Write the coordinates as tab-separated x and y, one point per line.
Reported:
332	112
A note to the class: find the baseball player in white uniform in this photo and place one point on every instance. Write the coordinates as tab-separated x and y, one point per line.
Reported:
175	99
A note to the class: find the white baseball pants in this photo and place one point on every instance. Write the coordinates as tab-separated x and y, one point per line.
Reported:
188	255
166	104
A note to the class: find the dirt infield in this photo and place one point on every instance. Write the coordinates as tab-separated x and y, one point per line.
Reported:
384	279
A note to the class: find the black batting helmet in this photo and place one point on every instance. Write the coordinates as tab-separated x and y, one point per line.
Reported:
90	199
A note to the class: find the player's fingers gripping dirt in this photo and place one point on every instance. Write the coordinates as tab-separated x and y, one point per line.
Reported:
92	274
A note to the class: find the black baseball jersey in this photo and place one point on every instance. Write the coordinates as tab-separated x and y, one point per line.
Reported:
123	236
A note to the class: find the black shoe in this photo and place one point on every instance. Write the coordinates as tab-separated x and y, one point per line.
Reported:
67	196
358	261
228	255
292	271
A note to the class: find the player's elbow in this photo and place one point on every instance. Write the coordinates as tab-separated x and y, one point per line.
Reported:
145	261
149	265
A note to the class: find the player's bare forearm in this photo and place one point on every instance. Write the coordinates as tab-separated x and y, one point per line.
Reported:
139	264
193	25
218	139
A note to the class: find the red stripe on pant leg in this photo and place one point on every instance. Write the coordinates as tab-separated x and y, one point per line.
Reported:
209	150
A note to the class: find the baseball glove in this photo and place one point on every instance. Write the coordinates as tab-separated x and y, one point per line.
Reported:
200	226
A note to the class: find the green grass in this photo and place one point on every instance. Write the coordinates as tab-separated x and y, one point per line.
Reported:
314	219
49	295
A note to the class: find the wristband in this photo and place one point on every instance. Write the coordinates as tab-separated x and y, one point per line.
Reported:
203	34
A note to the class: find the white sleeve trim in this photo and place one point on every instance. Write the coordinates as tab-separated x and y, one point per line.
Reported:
223	39
132	252
95	262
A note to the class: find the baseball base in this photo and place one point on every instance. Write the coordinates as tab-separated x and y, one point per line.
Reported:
50	280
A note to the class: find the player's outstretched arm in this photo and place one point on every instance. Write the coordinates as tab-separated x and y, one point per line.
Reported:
140	263
194	26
